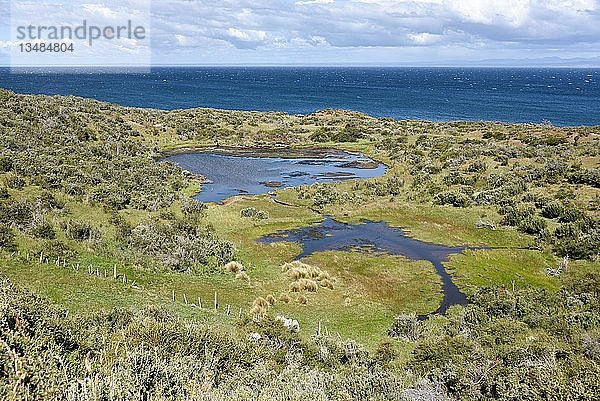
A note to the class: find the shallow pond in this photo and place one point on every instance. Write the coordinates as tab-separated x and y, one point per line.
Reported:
376	237
256	171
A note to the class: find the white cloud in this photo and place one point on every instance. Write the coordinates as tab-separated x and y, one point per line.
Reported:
204	30
247	35
424	38
492	12
309	2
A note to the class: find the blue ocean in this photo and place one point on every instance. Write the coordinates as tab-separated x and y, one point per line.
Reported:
560	96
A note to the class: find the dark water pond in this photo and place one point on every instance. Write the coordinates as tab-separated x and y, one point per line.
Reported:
377	237
257	172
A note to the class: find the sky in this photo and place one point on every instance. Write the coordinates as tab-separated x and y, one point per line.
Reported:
331	32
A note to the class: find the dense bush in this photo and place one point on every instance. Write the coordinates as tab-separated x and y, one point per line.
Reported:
586	176
350	133
457	199
41	228
7	238
553	210
192	208
512	216
578	240
321	134
248	212
74	147
80	230
532	225
528	344
179	245
54	249
477	166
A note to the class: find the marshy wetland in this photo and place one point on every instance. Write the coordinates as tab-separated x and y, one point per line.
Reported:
230	172
308	278
374	237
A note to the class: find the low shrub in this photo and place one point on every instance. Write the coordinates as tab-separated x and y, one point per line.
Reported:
456	199
533	225
7	238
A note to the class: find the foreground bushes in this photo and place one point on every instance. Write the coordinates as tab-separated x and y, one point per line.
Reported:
151	355
524	344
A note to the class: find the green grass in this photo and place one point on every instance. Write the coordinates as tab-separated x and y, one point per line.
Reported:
369	291
503	267
443	225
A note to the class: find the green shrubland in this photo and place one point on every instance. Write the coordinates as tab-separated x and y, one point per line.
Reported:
83	191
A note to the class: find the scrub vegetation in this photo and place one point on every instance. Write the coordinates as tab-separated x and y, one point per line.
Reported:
115	284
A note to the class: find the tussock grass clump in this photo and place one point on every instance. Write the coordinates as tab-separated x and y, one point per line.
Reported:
285	298
258	310
324	276
271	299
296	287
260	301
242	276
260	306
297	273
302	300
313	271
233	267
304	285
286	267
309	285
297	270
327	284
238	269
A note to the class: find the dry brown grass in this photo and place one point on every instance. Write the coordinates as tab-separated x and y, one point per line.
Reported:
296	287
271	299
286	267
233	267
313	271
257	310
302	300
260	306
285	298
324	275
309	285
242	276
297	273
327	284
260	301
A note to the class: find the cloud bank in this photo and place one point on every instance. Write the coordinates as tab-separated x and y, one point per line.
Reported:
369	32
